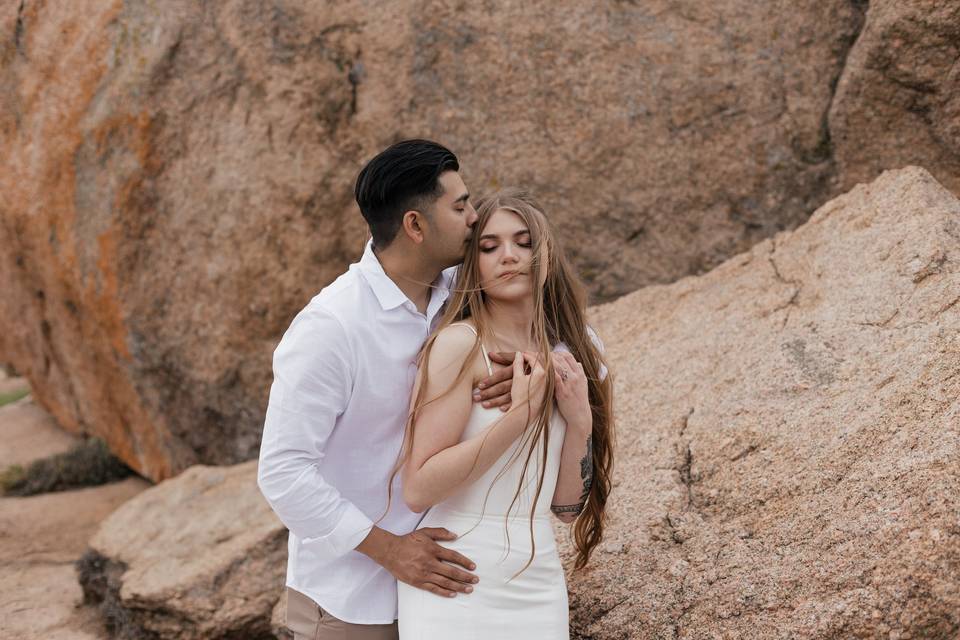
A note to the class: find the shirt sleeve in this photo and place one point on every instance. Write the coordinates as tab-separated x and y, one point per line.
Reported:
561	346
598	343
312	381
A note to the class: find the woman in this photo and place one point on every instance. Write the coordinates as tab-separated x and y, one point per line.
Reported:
492	477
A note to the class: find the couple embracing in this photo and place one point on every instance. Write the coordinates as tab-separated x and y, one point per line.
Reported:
430	410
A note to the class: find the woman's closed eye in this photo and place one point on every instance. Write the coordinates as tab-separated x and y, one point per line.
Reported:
488	249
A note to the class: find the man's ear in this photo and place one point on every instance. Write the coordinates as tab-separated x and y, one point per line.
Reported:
412	224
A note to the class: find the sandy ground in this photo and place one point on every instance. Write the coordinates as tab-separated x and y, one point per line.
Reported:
42	536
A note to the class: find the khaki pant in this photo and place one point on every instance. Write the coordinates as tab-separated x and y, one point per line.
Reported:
308	621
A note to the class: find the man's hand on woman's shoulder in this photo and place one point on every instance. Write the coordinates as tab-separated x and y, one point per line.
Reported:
494	391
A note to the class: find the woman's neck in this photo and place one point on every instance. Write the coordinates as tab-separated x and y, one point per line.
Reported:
511	323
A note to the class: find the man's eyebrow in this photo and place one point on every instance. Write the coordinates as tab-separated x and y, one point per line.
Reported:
462	198
493	236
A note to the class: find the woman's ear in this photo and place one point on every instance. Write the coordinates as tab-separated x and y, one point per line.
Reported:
412	224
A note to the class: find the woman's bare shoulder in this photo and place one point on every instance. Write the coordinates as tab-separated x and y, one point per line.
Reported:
453	345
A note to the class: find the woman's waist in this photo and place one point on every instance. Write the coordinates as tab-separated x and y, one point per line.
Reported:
519	516
500	545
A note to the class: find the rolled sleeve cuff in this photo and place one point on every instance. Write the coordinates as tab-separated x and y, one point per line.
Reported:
349	532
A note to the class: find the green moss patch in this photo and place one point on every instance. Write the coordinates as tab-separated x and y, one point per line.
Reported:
88	464
13	396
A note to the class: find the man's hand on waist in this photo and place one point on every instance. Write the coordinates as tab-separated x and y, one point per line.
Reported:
419	561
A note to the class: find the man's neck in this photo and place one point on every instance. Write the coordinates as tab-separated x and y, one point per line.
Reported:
412	277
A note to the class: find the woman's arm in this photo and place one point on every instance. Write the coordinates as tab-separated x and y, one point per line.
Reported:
576	459
576	473
439	463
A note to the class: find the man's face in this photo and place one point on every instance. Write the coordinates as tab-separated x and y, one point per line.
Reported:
450	222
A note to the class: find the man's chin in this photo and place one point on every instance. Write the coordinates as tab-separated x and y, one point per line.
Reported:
454	261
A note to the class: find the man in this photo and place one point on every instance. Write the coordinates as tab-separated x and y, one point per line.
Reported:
338	406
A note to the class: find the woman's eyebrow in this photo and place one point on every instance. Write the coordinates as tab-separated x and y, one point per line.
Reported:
493	236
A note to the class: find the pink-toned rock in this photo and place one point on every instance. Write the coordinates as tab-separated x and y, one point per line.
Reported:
789	435
898	100
176	176
199	556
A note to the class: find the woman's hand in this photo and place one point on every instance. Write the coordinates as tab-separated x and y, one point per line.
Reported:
529	381
572	395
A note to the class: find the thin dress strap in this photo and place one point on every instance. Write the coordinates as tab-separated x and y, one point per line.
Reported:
486	358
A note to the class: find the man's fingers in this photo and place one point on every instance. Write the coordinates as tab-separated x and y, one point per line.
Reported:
434	589
449	555
502	357
439	533
498	401
501	375
444	582
497	390
501	401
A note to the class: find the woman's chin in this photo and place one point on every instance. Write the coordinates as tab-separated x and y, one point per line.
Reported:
508	292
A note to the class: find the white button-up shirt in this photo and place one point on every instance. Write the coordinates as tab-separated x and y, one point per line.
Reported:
343	373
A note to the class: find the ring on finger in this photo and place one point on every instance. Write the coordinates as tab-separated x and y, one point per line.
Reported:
563	374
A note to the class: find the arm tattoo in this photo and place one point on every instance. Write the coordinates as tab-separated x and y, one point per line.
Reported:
586	474
586	469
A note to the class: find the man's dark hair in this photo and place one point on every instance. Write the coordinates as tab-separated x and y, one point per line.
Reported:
405	176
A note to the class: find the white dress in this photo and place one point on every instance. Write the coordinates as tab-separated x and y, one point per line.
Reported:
503	605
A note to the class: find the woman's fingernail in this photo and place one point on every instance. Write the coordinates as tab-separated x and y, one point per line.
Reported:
481	385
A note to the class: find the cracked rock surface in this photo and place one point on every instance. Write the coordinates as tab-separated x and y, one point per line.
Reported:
789	435
898	99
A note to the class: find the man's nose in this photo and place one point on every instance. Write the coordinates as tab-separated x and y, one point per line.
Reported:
473	217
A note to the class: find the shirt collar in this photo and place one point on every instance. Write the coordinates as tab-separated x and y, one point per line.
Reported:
389	294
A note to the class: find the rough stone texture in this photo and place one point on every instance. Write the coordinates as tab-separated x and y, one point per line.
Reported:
789	435
198	556
30	433
41	536
176	177
898	100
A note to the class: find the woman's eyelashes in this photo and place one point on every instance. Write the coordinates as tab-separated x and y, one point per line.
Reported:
488	249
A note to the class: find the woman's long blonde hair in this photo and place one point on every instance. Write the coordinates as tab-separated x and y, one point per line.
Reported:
560	316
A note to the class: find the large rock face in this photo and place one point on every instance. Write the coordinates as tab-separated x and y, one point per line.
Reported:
789	435
198	557
898	100
176	177
788	438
